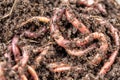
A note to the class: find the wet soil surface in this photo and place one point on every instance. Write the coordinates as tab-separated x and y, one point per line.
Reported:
26	9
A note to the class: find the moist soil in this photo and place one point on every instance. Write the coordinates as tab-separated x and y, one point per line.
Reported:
26	9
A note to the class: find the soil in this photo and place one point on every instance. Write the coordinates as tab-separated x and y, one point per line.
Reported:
26	9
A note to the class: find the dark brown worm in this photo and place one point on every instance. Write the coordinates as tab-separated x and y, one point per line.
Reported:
15	48
74	21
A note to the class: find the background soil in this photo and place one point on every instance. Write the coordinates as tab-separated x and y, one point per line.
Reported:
26	9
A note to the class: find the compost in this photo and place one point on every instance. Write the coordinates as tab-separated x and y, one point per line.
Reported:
59	39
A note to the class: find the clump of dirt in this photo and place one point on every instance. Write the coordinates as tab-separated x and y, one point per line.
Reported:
25	9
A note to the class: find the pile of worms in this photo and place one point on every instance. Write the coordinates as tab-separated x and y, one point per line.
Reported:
21	54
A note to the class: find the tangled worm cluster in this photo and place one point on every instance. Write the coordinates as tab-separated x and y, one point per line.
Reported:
21	54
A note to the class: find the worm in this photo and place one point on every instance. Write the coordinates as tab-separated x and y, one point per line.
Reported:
90	4
2	77
87	3
114	34
40	33
107	65
15	48
56	34
74	21
58	67
25	56
103	48
100	7
33	73
41	55
80	52
21	73
39	18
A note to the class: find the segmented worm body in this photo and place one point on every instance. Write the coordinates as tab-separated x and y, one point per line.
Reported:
15	48
61	67
74	21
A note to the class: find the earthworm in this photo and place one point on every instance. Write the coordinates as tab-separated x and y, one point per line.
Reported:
8	54
21	73
15	48
80	52
85	2
41	55
74	21
2	77
59	38
114	34
107	65
90	3
60	67
33	73
11	11
25	58
100	7
35	34
39	18
103	48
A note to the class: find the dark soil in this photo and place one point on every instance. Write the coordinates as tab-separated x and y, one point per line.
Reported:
26	9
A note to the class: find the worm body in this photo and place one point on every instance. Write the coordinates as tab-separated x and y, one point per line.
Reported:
33	73
15	48
77	24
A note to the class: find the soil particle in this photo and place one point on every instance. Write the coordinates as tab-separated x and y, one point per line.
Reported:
26	9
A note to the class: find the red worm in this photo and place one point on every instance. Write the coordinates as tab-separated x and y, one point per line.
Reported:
115	36
2	77
15	48
74	21
90	3
85	2
100	7
103	48
42	54
56	34
80	52
8	55
25	56
33	73
21	73
60	67
24	60
114	33
35	34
